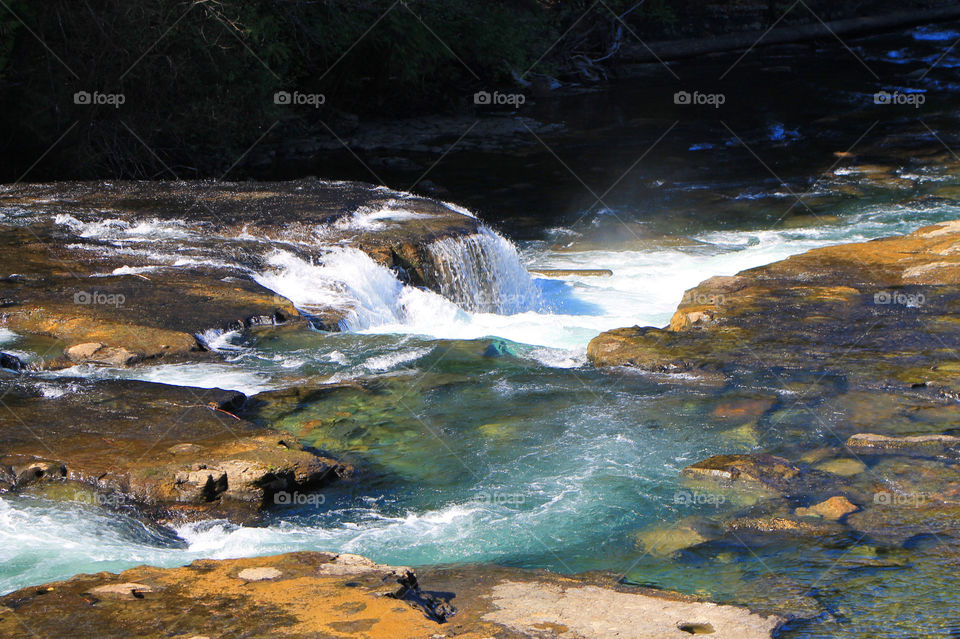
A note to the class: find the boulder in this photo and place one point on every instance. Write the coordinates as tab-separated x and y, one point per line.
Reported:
11	362
173	451
97	353
751	470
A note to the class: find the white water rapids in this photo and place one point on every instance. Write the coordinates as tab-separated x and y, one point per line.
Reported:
574	460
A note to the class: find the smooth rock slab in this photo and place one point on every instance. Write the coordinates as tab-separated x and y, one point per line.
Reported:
592	612
913	443
260	574
122	591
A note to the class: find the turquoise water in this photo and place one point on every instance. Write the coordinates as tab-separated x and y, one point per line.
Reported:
485	437
491	450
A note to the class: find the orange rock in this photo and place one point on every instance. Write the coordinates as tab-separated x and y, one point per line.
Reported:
835	508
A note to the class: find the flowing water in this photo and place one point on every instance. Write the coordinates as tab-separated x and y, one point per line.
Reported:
485	435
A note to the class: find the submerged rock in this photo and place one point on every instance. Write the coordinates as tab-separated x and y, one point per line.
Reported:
665	540
843	467
835	508
781	525
754	470
317	594
916	444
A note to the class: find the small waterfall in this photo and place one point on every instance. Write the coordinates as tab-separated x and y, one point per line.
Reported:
482	273
477	273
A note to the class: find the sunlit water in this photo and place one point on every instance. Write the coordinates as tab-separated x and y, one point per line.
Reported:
486	437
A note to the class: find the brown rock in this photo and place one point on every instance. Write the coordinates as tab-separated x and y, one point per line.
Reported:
810	312
778	524
329	595
158	446
97	353
835	508
768	471
871	442
122	591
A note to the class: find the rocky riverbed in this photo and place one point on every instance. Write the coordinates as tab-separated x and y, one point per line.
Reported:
821	389
863	329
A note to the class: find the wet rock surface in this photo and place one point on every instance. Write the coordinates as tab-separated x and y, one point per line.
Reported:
859	341
71	294
167	451
317	594
878	313
762	471
74	264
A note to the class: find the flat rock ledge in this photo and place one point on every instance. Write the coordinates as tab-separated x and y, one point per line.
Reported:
919	444
879	312
162	451
318	594
98	306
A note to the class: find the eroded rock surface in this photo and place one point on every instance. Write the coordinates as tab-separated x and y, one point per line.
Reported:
164	447
145	269
880	312
52	288
316	594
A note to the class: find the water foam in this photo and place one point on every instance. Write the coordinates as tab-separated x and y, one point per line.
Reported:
344	278
7	336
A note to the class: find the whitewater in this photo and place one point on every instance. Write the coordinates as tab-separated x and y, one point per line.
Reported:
567	448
